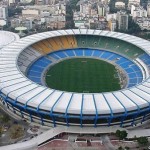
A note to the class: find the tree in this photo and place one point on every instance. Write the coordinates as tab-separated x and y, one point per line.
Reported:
121	134
117	133
70	7
5	118
142	140
132	26
16	131
127	148
13	11
120	148
0	131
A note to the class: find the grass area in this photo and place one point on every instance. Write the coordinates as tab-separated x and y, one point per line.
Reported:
83	75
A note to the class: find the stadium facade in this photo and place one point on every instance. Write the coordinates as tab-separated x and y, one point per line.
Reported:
23	65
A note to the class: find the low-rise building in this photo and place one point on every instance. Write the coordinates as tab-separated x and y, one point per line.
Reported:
120	5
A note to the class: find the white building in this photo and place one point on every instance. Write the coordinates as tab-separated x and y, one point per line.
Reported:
102	9
137	2
120	5
82	24
3	12
85	8
138	11
144	23
32	12
148	9
133	2
10	2
111	16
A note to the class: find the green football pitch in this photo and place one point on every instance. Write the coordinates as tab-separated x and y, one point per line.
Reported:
83	75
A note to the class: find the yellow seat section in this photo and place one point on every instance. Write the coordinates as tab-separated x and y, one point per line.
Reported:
42	47
75	41
48	45
72	41
64	42
57	43
54	42
38	48
45	49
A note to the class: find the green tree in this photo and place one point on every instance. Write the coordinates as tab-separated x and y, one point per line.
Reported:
70	7
5	118
120	148
127	148
14	10
118	133
0	131
132	26
121	134
142	140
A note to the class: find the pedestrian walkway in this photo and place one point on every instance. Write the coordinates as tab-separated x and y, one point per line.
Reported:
56	131
138	133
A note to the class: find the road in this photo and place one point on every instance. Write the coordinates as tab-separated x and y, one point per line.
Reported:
106	142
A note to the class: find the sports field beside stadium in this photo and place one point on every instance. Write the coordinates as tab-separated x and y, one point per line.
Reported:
83	75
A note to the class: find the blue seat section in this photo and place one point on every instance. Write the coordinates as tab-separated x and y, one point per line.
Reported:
132	75
139	74
146	59
129	70
106	55
36	68
88	52
33	73
79	52
131	84
114	57
69	52
97	53
53	55
133	81
140	80
126	64
135	67
60	54
42	62
121	60
45	60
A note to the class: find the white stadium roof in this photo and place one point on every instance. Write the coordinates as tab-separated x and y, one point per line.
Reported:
16	85
7	38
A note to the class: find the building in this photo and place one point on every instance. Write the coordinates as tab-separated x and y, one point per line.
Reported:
11	2
45	2
103	9
112	24
122	19
3	12
120	5
148	9
15	22
3	15
54	21
133	2
30	12
144	23
138	11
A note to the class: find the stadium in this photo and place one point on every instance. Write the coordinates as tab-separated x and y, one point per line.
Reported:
44	78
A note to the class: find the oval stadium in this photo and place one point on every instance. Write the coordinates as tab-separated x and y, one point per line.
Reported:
77	78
